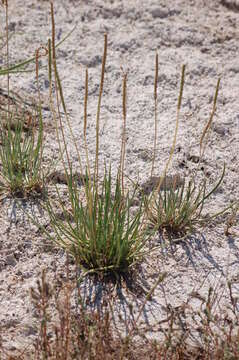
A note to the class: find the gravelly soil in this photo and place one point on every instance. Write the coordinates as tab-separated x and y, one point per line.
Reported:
201	34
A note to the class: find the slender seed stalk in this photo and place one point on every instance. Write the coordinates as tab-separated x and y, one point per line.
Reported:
207	127
96	171
49	61
85	141
176	128
155	111
53	111
123	143
60	90
7	55
57	96
85	121
85	101
38	55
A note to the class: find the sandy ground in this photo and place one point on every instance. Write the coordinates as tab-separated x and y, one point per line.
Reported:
201	34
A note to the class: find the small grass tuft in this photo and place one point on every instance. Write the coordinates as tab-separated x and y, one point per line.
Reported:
101	234
21	159
177	210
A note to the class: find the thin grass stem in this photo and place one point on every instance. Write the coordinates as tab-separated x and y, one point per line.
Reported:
176	128
208	125
7	55
96	171
155	112
123	143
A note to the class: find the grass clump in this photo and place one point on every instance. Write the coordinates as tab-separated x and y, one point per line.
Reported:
178	209
21	145
98	229
101	233
21	159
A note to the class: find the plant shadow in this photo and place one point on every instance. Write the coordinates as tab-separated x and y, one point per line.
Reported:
122	296
194	249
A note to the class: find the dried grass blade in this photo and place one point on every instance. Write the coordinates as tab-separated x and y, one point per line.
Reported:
205	131
96	171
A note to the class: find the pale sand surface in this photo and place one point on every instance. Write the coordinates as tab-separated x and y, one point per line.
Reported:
203	35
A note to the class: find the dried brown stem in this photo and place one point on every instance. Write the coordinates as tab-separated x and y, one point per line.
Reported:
155	111
123	144
207	127
96	171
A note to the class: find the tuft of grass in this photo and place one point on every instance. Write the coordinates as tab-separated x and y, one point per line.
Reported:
101	234
21	145
177	210
100	230
21	159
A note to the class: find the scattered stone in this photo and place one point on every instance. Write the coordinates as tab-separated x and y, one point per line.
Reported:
231	4
169	182
220	130
163	13
59	177
193	158
9	323
145	155
12	26
10	260
30	330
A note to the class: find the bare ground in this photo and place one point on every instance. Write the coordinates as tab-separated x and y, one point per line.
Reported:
201	34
